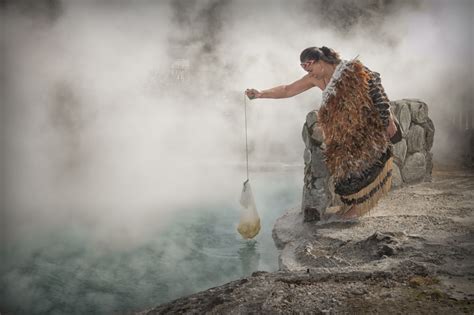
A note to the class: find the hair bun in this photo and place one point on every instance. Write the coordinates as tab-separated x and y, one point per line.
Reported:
326	50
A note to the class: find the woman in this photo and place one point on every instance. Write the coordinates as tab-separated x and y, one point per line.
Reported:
357	123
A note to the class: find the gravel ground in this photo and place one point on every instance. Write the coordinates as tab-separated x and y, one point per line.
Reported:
414	253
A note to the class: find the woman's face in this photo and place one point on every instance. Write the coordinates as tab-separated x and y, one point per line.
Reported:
313	67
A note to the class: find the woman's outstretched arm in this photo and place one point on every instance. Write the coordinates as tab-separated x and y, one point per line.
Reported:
283	91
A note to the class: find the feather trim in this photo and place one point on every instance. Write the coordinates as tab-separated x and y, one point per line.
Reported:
368	197
330	88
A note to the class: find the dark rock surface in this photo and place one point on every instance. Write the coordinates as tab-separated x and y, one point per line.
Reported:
315	293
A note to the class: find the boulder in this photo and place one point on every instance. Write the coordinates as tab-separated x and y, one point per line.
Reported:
306	136
418	110
414	168
307	156
400	151
429	166
318	165
311	214
394	107
429	133
308	178
311	118
416	139
404	118
397	180
317	134
315	199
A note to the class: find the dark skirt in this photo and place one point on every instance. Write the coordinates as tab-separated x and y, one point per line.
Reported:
365	190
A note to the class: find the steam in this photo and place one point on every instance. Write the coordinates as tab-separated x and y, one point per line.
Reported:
118	114
97	119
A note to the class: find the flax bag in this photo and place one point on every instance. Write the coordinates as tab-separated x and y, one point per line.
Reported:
249	224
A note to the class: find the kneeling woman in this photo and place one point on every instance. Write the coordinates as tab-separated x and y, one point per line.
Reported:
357	123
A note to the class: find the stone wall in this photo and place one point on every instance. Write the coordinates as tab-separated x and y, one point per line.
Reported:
317	194
412	156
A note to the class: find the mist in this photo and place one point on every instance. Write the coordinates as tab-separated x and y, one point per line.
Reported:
117	115
99	127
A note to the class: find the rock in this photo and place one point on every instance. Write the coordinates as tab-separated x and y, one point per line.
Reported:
404	118
429	166
321	182
396	176
314	204
306	136
316	194
311	214
429	133
400	151
416	139
307	174
307	156
419	111
359	291
315	199
386	250
414	168
318	165
394	107
335	198
317	134
311	118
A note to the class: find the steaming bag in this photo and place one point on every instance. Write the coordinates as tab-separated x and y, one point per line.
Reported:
249	224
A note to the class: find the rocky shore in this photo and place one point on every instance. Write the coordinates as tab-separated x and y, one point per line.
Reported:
414	253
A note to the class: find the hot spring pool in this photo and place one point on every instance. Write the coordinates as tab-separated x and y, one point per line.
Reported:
65	270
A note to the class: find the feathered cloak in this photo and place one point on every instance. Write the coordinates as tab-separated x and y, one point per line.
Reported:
353	117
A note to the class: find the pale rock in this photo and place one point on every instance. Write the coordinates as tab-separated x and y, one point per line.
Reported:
416	139
394	107
318	165
404	118
317	134
400	151
414	168
315	200
307	156
419	111
429	133
306	136
429	166
397	180
311	118
321	183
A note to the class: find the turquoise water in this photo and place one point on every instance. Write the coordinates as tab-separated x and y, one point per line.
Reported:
65	270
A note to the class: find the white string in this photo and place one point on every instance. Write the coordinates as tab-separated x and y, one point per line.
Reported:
246	142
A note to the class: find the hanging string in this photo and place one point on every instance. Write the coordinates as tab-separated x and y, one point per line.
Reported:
246	142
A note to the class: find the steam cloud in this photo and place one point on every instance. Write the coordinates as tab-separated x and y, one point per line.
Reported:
117	113
97	125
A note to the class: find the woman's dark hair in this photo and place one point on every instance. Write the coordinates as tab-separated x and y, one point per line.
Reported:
324	53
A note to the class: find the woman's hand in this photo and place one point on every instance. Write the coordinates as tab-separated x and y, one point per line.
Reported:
252	93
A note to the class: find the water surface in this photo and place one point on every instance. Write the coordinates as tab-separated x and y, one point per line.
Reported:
67	268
